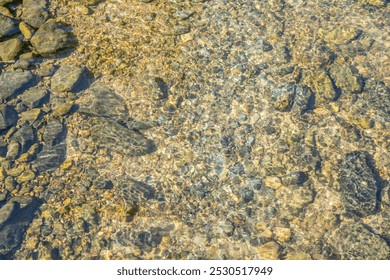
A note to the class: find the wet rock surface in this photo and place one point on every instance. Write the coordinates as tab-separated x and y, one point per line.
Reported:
15	217
359	186
194	130
355	242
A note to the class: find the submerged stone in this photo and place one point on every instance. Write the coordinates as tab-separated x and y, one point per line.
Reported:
54	133
25	136
345	79
113	136
8	117
14	82
353	241
16	215
282	98
50	158
358	185
8	26
106	103
67	78
35	16
35	97
321	84
50	38
10	49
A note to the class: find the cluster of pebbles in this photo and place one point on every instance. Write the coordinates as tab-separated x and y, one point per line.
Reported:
175	129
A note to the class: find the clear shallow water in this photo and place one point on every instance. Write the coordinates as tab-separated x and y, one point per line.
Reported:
269	120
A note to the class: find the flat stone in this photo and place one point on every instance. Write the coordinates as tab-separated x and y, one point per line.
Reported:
50	38
134	192
14	82
50	158
31	115
358	185
8	117
54	133
106	103
10	49
62	109
35	97
102	183
8	26
15	225
6	212
25	136
67	78
345	79
353	241
113	136
35	16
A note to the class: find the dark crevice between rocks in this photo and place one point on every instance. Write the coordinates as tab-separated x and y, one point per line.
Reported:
335	88
371	230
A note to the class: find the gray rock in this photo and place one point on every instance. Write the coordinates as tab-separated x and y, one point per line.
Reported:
13	150
112	136
54	133
50	158
35	97
282	98
6	212
8	117
10	49
35	16
8	26
14	82
102	183
106	103
17	216
303	101
25	136
295	178
358	185
345	79
3	148
34	3
50	38
135	192
353	241
67	78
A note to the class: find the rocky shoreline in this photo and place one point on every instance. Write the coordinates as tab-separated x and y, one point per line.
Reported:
194	129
